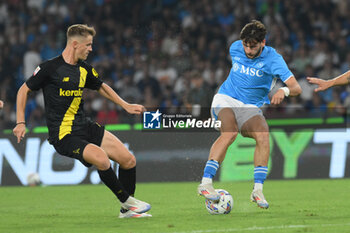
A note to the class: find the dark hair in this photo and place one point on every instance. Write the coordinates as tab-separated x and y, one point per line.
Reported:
80	30
253	32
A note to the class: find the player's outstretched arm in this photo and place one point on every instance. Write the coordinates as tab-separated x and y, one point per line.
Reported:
110	94
20	130
292	89
1	104
325	84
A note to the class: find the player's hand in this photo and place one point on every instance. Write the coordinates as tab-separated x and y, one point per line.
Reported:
135	109
322	84
19	131
278	97
1	104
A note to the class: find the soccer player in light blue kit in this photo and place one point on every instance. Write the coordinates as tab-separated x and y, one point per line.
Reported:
255	68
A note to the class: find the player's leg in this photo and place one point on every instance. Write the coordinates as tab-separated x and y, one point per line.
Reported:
89	154
96	156
117	152
229	131
257	128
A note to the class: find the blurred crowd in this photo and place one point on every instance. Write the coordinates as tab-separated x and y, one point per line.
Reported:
171	54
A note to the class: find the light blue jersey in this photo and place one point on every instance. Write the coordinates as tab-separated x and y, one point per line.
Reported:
250	80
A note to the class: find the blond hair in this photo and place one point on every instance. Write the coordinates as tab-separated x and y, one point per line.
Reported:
80	30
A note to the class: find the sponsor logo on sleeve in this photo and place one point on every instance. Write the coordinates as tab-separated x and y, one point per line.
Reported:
36	70
94	72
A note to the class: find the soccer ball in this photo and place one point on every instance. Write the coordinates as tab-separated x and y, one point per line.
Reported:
33	179
223	206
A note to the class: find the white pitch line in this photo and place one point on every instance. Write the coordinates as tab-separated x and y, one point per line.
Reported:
255	228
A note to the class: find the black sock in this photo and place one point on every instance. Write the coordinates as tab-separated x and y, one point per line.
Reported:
111	181
128	178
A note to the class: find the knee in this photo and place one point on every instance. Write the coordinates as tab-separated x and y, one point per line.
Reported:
262	137
129	163
102	162
229	137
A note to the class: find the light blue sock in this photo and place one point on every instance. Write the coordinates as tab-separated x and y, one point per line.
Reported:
260	174
210	169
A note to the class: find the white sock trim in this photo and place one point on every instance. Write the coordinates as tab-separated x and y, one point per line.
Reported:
206	180
258	186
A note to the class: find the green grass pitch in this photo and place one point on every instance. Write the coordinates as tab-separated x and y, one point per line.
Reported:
295	206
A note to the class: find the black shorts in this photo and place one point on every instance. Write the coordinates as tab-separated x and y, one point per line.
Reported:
73	145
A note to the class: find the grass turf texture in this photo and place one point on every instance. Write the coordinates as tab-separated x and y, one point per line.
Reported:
295	206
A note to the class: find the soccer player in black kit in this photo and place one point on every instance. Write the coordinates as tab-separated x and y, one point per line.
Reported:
62	80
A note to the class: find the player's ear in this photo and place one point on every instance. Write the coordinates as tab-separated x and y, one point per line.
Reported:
75	44
263	43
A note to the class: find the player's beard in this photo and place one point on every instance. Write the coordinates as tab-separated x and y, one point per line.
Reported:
256	54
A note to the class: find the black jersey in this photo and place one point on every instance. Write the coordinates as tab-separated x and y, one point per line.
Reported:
63	86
